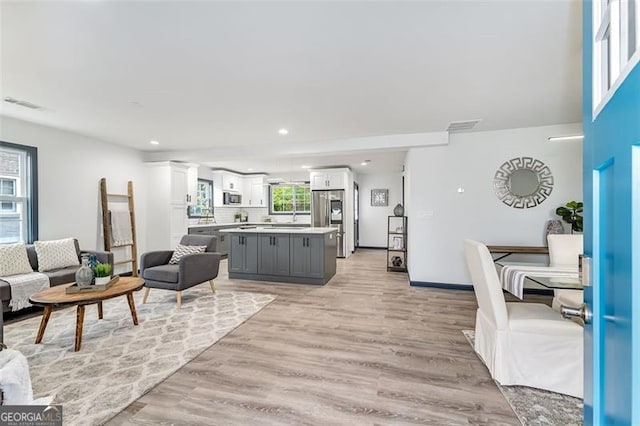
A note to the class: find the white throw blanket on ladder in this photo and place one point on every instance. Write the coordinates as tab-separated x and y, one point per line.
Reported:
121	228
23	286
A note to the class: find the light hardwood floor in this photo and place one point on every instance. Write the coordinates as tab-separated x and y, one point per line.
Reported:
365	349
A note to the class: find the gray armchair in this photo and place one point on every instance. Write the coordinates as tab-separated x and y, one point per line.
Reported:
193	269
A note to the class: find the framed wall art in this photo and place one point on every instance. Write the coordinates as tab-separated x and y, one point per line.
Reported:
380	197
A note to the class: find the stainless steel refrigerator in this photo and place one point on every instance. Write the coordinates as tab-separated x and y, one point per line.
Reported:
327	210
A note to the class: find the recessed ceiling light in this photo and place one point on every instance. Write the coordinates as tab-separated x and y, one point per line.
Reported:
154	142
283	131
365	162
250	169
306	167
566	138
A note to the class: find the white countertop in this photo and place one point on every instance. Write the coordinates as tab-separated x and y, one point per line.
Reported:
289	230
200	225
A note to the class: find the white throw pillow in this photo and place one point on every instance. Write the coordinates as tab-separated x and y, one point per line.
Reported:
182	251
56	254
14	260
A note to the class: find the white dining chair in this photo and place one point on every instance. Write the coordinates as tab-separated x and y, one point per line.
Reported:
563	251
527	344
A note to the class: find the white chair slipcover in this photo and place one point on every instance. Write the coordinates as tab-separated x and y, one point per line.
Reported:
525	344
15	380
563	251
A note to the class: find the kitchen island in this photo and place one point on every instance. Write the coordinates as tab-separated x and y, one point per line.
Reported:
290	255
222	245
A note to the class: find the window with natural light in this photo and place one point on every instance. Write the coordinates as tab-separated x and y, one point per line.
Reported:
616	46
289	199
203	206
18	194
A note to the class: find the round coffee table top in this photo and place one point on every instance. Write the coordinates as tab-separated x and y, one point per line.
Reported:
57	295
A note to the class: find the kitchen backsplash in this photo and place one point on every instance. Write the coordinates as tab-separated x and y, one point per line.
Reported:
255	214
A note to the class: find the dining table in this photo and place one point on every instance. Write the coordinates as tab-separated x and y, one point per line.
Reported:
514	274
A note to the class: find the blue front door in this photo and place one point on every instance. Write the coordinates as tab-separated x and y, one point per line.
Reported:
612	239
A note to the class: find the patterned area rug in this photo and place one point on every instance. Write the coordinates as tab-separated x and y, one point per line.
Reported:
119	362
537	407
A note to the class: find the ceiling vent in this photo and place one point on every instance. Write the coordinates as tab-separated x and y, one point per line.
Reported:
22	103
462	126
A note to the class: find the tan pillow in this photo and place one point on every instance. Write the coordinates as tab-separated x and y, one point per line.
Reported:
56	254
14	260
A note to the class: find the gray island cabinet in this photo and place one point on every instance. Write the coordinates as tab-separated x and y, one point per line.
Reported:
222	245
245	250
305	255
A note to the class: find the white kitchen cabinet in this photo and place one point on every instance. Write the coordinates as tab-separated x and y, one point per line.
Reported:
179	186
328	179
258	197
251	187
255	192
192	184
318	180
178	224
231	182
166	204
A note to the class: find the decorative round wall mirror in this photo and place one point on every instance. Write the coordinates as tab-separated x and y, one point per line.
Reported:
523	182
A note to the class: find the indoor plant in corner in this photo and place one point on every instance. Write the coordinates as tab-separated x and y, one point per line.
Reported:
572	214
102	271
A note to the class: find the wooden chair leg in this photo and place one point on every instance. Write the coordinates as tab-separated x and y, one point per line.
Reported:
213	287
179	299
146	294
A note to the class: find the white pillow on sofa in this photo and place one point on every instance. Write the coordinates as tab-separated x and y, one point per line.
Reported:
56	254
14	260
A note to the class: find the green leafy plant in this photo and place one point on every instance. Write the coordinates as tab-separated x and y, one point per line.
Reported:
572	214
102	270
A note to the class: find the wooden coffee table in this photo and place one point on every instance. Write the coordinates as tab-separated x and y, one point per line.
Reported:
56	296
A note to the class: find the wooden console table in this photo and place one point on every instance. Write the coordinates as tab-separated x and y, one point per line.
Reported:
509	250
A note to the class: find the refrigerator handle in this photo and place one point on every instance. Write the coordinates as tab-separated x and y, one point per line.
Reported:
328	213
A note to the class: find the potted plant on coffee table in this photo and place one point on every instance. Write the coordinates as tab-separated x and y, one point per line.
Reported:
102	272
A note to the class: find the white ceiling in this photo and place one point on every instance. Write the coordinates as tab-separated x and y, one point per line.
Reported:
203	75
382	161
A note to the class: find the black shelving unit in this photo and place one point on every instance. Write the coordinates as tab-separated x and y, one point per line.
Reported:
397	243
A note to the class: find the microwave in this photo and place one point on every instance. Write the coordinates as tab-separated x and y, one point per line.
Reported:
231	198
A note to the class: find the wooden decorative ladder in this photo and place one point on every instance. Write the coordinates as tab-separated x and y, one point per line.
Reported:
106	224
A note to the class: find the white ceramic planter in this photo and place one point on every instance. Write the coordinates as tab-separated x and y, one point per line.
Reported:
102	280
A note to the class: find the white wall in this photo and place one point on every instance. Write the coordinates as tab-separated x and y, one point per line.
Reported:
373	220
69	170
440	218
